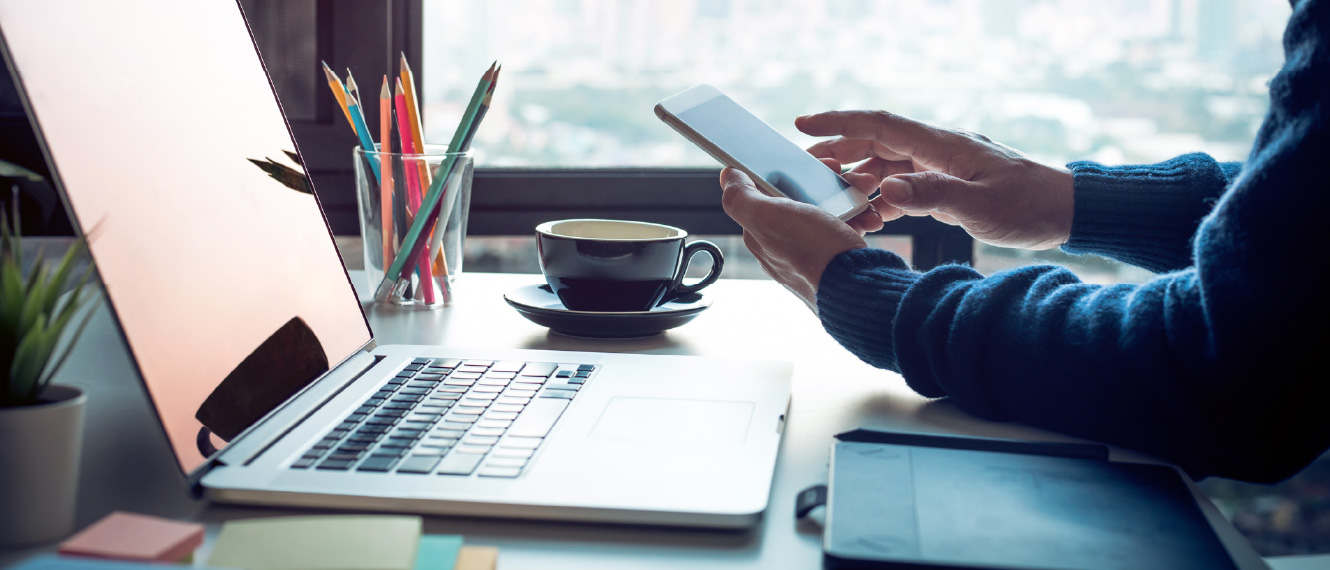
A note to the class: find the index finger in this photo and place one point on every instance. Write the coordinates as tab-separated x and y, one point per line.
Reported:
898	134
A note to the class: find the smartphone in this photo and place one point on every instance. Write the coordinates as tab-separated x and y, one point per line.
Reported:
736	137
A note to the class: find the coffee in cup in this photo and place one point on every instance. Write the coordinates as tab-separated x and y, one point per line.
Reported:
615	265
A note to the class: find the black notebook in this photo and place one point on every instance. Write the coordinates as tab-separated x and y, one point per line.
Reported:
923	501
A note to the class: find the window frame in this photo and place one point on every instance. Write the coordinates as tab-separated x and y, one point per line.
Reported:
512	201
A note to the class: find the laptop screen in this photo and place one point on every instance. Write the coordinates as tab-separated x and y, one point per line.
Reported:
161	129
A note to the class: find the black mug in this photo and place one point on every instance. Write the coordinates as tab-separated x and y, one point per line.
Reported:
619	266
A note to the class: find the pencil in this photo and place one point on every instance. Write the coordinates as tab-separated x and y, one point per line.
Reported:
450	200
413	116
413	196
353	92
339	92
385	167
362	130
392	279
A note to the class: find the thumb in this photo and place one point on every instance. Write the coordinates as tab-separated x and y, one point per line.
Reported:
924	191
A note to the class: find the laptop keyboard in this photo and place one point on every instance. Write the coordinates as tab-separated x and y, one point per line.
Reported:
452	417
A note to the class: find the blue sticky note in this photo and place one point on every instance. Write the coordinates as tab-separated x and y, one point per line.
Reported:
438	551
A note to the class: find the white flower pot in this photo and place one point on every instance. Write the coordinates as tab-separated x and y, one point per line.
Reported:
39	466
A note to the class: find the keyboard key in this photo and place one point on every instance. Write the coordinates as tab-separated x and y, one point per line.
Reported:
469	402
312	454
501	416
577	381
493	382
398	405
468	410
500	375
356	418
393	383
435	441
459	464
364	409
520	392
505	462
564	374
426	418
419	464
472	449
398	442
435	449
564	394
563	386
478	440
487	431
542	369
538	417
416	391
496	390
477	395
409	432
422	384
528	382
507	472
459	426
381	421
414	366
460	419
508	366
507	407
420	360
336	464
488	423
353	447
511	452
585	367
515	400
350	455
462	374
456	389
445	363
304	463
527	443
452	433
324	444
378	463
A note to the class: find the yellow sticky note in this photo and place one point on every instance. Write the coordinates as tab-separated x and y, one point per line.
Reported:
477	558
333	542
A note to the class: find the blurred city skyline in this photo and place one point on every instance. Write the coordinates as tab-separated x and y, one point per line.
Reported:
1121	81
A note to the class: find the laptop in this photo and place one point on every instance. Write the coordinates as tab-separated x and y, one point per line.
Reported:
254	349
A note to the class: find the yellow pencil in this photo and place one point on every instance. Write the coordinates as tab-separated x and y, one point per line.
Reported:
413	117
339	92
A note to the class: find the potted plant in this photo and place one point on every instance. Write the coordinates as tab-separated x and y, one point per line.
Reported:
41	425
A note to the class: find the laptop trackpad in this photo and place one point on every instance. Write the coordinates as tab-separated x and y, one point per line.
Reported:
674	420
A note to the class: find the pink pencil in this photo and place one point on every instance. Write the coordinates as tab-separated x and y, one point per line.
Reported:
413	197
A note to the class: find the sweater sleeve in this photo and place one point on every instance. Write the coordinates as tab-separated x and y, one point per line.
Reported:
1145	215
1211	367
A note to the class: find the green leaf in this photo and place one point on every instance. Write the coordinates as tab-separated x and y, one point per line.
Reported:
59	361
29	358
11	170
57	281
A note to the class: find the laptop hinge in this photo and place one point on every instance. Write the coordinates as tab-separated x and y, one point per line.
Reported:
268	431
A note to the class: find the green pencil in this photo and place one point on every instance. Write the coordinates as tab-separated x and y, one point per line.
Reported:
428	212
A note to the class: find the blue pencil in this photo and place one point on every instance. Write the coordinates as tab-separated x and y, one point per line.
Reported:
362	129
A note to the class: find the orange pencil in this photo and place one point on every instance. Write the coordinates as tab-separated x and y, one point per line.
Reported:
385	166
339	92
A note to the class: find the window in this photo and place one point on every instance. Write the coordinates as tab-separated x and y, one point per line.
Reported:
1125	81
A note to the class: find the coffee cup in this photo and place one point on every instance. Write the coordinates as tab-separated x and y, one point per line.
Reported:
620	266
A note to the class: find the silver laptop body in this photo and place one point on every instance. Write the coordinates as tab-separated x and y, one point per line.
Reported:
149	112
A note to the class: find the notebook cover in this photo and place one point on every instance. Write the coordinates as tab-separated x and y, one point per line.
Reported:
916	506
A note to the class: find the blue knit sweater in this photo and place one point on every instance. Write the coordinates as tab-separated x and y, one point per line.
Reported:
1218	364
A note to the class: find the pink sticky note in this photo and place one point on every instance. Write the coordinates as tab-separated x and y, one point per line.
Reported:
129	536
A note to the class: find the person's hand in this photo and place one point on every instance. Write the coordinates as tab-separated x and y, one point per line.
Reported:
992	191
792	240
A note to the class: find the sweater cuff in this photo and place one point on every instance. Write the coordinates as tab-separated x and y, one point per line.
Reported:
1145	215
857	299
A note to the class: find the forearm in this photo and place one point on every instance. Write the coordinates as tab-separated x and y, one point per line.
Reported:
1145	215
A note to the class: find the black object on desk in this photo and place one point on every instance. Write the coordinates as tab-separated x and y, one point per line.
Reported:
901	500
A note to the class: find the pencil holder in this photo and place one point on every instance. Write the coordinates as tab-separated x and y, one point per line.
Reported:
391	190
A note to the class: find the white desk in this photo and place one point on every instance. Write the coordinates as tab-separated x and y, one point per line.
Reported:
128	466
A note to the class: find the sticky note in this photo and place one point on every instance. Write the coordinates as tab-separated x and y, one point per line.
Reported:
129	536
332	542
53	563
438	551
477	558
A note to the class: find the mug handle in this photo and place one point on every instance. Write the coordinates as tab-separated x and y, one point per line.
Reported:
678	288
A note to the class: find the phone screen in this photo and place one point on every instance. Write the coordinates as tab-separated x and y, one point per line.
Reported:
766	152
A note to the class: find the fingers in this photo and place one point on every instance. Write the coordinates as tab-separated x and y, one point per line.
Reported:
846	150
741	199
897	134
926	192
866	221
